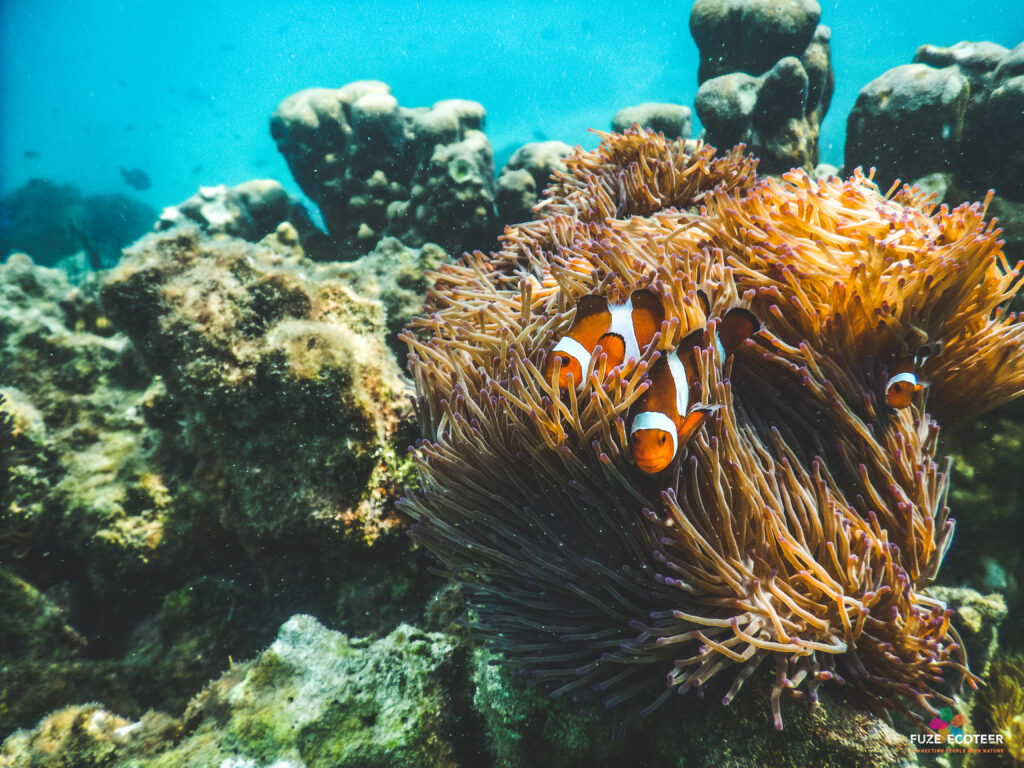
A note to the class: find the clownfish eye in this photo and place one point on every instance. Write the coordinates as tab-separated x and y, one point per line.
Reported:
661	440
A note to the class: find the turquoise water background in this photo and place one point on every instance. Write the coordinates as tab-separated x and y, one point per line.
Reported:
184	90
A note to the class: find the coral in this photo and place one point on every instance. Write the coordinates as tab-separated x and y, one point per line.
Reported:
954	110
908	122
317	697
250	210
750	35
673	120
999	708
265	355
525	175
809	519
75	392
765	78
313	698
137	539
44	658
377	169
991	153
51	221
394	275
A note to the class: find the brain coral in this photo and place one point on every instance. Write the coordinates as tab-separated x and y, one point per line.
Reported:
802	530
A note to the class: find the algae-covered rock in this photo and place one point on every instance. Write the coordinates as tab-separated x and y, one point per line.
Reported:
397	277
86	474
172	522
291	398
250	210
43	660
320	699
520	723
314	698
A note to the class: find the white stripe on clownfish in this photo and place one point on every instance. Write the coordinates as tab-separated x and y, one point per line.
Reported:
909	377
678	371
718	345
622	325
657	420
575	350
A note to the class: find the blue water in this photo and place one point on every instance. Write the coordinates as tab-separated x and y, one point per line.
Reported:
184	90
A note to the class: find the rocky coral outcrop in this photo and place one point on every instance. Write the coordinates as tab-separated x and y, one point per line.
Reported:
377	169
75	392
290	396
130	536
673	120
316	697
765	78
954	110
250	210
397	277
525	176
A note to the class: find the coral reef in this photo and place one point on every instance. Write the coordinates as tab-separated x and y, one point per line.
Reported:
250	210
130	540
525	176
765	78
954	110
673	120
316	697
262	355
394	275
51	221
809	519
376	169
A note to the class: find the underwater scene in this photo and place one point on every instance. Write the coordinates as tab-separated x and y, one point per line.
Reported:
512	384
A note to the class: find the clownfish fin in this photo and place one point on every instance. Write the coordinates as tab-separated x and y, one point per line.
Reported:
691	340
737	326
648	315
705	305
929	350
694	420
614	346
590	305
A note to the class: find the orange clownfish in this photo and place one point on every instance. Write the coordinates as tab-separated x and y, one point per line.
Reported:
903	383
664	419
621	330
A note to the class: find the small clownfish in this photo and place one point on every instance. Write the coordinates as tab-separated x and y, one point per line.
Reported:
621	330
664	419
903	382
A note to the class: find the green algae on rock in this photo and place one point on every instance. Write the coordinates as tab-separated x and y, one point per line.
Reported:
320	699
290	396
75	394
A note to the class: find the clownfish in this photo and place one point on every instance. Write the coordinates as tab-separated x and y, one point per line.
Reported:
903	382
621	330
666	415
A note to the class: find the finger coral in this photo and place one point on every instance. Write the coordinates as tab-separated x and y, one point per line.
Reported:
808	518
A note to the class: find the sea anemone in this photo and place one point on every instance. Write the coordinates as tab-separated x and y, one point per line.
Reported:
808	517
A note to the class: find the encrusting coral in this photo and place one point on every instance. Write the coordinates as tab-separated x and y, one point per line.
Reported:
808	519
